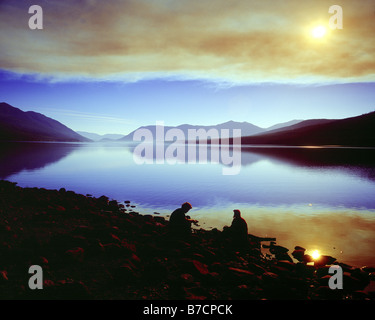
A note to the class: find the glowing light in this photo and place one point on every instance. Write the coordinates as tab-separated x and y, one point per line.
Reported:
315	255
319	32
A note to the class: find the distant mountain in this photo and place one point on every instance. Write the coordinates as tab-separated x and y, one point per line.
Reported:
100	137
355	131
297	125
283	125
17	125
246	129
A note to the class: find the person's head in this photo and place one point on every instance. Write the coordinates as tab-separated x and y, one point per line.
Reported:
186	206
237	213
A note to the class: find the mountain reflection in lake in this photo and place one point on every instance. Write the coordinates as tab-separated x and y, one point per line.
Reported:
319	198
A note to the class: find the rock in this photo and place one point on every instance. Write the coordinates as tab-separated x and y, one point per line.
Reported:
243	292
371	293
326	293
3	276
69	290
368	269
286	264
275	249
160	220
324	280
258	270
200	267
298	253
60	209
280	270
241	271
130	247
237	276
323	261
76	253
63	242
155	270
103	201
322	271
351	283
101	252
112	249
307	258
360	295
187	278
124	274
196	293
271	284
358	279
281	253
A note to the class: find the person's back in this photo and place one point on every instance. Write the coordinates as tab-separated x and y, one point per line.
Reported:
239	228
178	222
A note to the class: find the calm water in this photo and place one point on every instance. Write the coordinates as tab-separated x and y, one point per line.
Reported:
318	198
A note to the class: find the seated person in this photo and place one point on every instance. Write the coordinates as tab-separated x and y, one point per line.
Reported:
238	229
179	223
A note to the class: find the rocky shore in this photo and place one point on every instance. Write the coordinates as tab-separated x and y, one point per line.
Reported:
97	248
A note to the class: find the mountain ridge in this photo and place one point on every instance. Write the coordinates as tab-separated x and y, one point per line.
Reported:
18	125
247	128
100	137
353	131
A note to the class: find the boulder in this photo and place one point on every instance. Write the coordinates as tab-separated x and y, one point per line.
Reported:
76	254
298	253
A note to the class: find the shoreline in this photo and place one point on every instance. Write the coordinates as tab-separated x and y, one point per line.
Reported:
93	248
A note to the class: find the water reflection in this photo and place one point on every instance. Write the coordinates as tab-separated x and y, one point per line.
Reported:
19	156
359	161
346	234
316	198
15	157
268	176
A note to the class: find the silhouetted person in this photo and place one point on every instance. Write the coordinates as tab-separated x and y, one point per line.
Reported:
238	229
179	223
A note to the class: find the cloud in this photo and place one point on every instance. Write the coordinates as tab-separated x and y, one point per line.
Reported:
219	41
87	116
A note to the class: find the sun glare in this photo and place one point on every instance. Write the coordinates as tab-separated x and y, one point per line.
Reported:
315	255
319	32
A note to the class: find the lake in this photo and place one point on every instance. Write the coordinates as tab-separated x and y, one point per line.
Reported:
319	198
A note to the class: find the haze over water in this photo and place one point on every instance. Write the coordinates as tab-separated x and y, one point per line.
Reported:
316	198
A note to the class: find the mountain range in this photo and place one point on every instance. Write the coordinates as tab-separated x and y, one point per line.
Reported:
100	137
356	131
17	125
247	129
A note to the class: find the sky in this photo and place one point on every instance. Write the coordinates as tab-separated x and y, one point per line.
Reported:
112	66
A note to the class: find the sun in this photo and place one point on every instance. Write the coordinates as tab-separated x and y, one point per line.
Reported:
319	32
315	255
